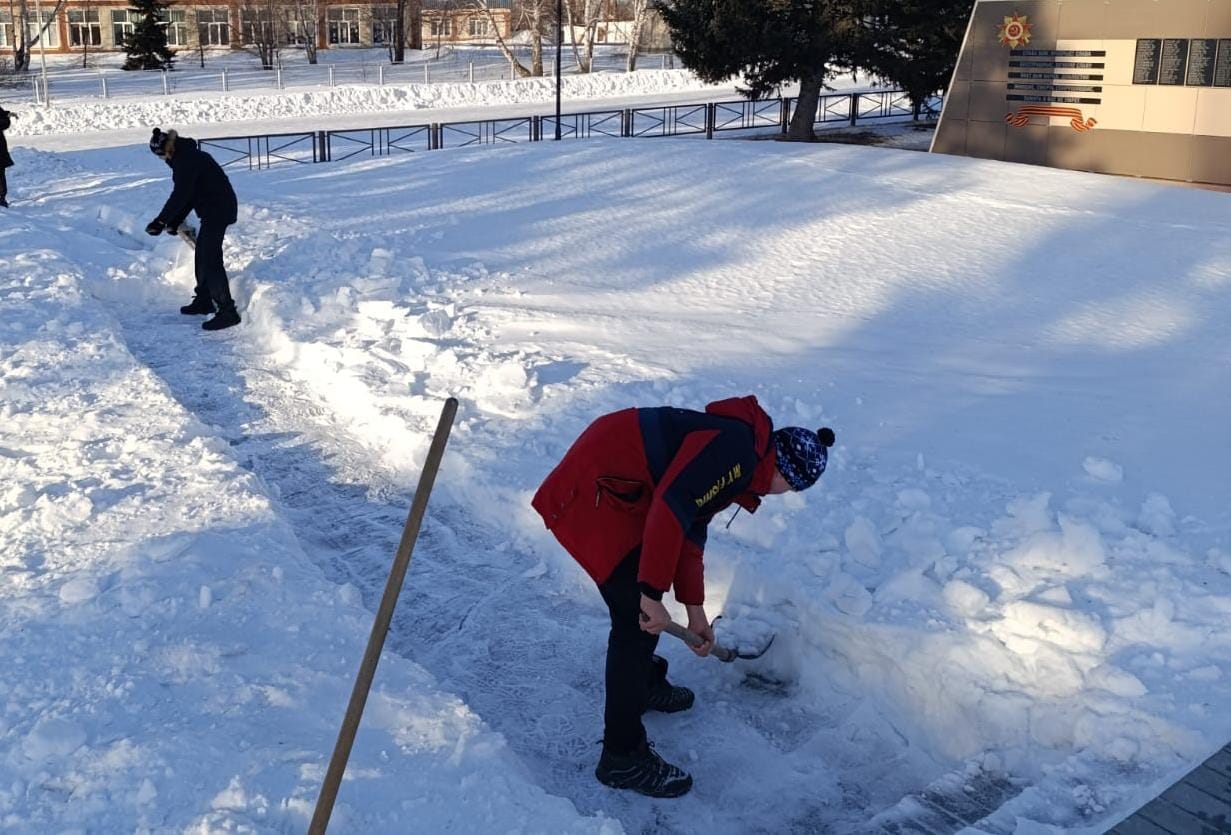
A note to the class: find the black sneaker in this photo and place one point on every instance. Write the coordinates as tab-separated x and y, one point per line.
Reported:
642	771
664	696
226	316
669	698
200	306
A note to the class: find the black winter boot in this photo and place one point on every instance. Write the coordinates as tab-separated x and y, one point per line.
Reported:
226	316
642	771
200	306
663	695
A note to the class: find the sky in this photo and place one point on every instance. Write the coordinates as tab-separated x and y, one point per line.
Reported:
1002	609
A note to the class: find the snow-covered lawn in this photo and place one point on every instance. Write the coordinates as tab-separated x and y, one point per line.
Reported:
1015	571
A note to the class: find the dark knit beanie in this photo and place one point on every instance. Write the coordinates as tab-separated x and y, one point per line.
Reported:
802	454
160	140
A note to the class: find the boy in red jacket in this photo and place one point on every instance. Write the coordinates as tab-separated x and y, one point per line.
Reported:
631	501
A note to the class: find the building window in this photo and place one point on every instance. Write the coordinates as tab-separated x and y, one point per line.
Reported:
384	24
478	27
84	28
122	21
213	27
34	25
177	27
6	29
257	26
343	26
296	32
441	27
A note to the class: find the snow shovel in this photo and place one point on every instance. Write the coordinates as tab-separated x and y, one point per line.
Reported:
188	234
720	652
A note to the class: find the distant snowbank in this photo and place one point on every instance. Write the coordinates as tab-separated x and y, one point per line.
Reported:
219	107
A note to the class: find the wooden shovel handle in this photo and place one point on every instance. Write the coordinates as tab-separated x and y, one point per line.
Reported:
695	640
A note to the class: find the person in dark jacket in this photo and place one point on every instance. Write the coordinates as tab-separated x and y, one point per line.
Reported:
200	185
6	161
631	501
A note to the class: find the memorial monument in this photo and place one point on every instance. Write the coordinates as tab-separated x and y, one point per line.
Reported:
1137	87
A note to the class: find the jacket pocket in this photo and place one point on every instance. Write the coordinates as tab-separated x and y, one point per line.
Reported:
626	494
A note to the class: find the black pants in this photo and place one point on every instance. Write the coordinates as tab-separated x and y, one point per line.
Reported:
4	183
631	666
211	273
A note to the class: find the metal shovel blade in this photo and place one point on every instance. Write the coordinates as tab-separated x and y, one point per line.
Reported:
719	651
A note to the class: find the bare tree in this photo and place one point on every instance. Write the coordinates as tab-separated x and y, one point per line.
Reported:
301	20
641	13
260	24
23	39
589	12
407	28
535	17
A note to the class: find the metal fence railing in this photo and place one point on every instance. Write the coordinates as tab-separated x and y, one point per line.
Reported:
470	65
705	119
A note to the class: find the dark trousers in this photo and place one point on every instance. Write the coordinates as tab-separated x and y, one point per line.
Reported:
211	273
631	665
4	183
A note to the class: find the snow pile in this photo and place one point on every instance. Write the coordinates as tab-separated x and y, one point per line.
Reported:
90	115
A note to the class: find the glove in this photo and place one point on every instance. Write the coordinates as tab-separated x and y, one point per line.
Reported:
155	227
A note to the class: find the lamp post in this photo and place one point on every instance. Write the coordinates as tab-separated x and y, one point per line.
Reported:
42	50
559	46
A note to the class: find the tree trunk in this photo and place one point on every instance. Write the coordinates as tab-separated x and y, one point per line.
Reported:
538	22
519	69
22	45
802	121
640	11
583	53
399	33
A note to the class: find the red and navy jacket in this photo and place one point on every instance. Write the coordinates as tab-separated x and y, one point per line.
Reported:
654	478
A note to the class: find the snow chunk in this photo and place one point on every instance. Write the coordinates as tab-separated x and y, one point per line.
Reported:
849	596
53	737
436	323
1157	517
79	590
1026	516
914	499
1076	551
863	542
1071	630
965	599
1117	681
1100	469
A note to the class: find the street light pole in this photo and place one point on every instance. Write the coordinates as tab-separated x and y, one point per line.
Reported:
559	46
42	49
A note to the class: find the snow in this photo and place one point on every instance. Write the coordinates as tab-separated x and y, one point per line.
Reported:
79	115
1014	572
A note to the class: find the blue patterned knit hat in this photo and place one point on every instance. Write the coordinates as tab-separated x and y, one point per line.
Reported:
802	454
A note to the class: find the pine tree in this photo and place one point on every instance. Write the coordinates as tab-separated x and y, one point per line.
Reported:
146	45
914	44
771	42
